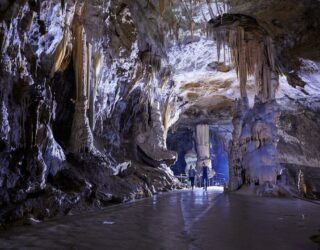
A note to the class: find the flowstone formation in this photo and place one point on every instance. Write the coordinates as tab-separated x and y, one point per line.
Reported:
152	144
254	152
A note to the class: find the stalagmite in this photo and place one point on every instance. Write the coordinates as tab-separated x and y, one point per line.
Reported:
302	187
235	157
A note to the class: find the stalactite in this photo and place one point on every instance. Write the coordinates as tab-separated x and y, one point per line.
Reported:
252	52
162	4
24	107
217	7
80	61
210	8
167	115
63	52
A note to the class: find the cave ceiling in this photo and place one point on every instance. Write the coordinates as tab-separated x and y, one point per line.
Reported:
203	85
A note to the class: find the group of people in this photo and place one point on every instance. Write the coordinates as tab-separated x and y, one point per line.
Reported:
192	174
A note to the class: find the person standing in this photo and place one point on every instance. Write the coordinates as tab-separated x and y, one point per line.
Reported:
192	175
205	176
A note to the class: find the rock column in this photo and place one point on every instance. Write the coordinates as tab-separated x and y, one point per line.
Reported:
81	135
203	148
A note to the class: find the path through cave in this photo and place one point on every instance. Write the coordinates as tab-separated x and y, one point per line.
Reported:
179	220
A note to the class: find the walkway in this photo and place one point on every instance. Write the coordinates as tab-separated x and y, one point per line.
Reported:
180	220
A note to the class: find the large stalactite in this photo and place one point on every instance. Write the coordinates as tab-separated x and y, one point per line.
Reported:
252	52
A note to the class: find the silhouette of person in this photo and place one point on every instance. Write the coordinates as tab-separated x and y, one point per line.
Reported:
192	175
205	176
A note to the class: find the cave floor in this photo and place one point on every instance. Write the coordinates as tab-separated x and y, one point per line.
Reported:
179	220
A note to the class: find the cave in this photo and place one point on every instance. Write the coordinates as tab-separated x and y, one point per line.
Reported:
182	140
110	110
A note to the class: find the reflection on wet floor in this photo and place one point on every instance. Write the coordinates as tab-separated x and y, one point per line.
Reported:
183	219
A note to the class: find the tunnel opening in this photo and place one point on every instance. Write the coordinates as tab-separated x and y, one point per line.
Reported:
183	140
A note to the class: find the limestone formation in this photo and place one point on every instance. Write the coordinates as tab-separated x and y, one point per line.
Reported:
87	87
81	134
203	148
252	52
152	142
253	154
97	67
63	52
4	123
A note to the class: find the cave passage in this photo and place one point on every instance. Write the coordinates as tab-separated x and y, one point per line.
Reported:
106	106
183	141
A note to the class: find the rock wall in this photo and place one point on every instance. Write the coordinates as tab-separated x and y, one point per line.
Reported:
78	78
299	146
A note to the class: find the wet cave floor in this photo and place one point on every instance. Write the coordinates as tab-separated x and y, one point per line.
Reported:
183	219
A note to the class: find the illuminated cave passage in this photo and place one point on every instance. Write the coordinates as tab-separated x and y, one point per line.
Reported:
108	102
183	141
